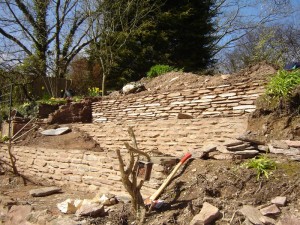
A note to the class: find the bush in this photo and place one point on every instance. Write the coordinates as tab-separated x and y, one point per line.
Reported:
94	91
158	70
283	83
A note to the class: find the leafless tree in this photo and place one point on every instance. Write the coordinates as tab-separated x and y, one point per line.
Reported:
45	34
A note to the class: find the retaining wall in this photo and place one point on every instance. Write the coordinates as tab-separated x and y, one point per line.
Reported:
216	101
76	169
218	113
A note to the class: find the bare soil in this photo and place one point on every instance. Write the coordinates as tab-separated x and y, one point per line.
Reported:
225	184
75	139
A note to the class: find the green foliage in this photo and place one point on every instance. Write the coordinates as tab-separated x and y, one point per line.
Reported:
4	138
261	164
158	70
4	112
52	101
283	83
94	91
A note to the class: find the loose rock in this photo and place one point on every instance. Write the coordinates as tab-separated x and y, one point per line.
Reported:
93	210
279	200
270	210
207	215
41	192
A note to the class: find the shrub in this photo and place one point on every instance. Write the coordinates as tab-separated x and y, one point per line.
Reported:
52	101
94	91
262	165
158	70
283	83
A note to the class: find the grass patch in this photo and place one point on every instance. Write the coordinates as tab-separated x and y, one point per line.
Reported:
262	164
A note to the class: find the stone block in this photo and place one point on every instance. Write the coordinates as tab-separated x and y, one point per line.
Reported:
41	192
207	215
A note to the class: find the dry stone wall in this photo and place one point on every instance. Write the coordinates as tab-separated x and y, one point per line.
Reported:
218	114
216	101
169	137
76	169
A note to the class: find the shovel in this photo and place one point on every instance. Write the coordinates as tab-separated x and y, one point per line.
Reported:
153	197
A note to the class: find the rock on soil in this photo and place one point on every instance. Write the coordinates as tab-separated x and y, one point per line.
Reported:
41	192
207	215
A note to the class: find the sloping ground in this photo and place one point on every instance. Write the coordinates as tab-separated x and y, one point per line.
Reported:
175	81
279	122
179	81
225	184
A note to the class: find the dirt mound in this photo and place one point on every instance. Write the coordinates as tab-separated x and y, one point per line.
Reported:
276	119
178	81
75	139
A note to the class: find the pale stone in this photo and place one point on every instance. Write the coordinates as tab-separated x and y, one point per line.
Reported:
295	144
44	191
55	132
207	215
67	206
252	214
233	143
224	95
238	147
93	210
244	107
279	200
246	153
270	210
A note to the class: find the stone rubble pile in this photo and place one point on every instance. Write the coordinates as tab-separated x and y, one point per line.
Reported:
269	214
244	148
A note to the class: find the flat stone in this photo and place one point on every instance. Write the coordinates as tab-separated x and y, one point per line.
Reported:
224	95
56	132
262	148
246	153
233	143
207	215
209	148
244	107
238	147
41	192
270	210
295	144
252	138
221	156
93	210
288	152
252	214
279	200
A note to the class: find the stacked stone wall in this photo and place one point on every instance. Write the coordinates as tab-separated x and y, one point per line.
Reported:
227	100
75	169
217	113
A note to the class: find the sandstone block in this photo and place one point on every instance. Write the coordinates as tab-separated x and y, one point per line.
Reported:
41	192
207	215
279	200
270	210
93	210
